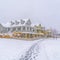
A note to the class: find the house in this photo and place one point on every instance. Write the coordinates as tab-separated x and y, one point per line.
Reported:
24	29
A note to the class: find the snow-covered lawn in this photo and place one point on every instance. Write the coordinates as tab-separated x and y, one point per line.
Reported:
11	49
43	49
47	49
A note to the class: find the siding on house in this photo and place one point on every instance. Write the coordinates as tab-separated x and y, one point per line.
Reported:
17	28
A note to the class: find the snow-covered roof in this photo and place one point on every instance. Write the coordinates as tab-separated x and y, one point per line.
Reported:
21	22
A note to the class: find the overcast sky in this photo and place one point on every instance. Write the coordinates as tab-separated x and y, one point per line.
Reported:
46	12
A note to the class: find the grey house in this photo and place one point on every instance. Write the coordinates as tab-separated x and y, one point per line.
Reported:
15	26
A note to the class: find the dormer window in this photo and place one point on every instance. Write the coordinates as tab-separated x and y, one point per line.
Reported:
23	27
19	28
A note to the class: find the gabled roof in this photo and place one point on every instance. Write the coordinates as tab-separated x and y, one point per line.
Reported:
21	22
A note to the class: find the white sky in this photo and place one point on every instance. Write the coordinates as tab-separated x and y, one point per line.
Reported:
46	12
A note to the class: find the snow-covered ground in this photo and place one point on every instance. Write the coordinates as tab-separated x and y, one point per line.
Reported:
11	49
43	49
47	49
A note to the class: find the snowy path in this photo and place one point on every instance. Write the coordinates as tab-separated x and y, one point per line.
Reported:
49	49
32	53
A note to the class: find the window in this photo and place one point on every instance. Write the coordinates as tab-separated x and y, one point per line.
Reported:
8	29
30	28
13	29
27	28
19	28
23	28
